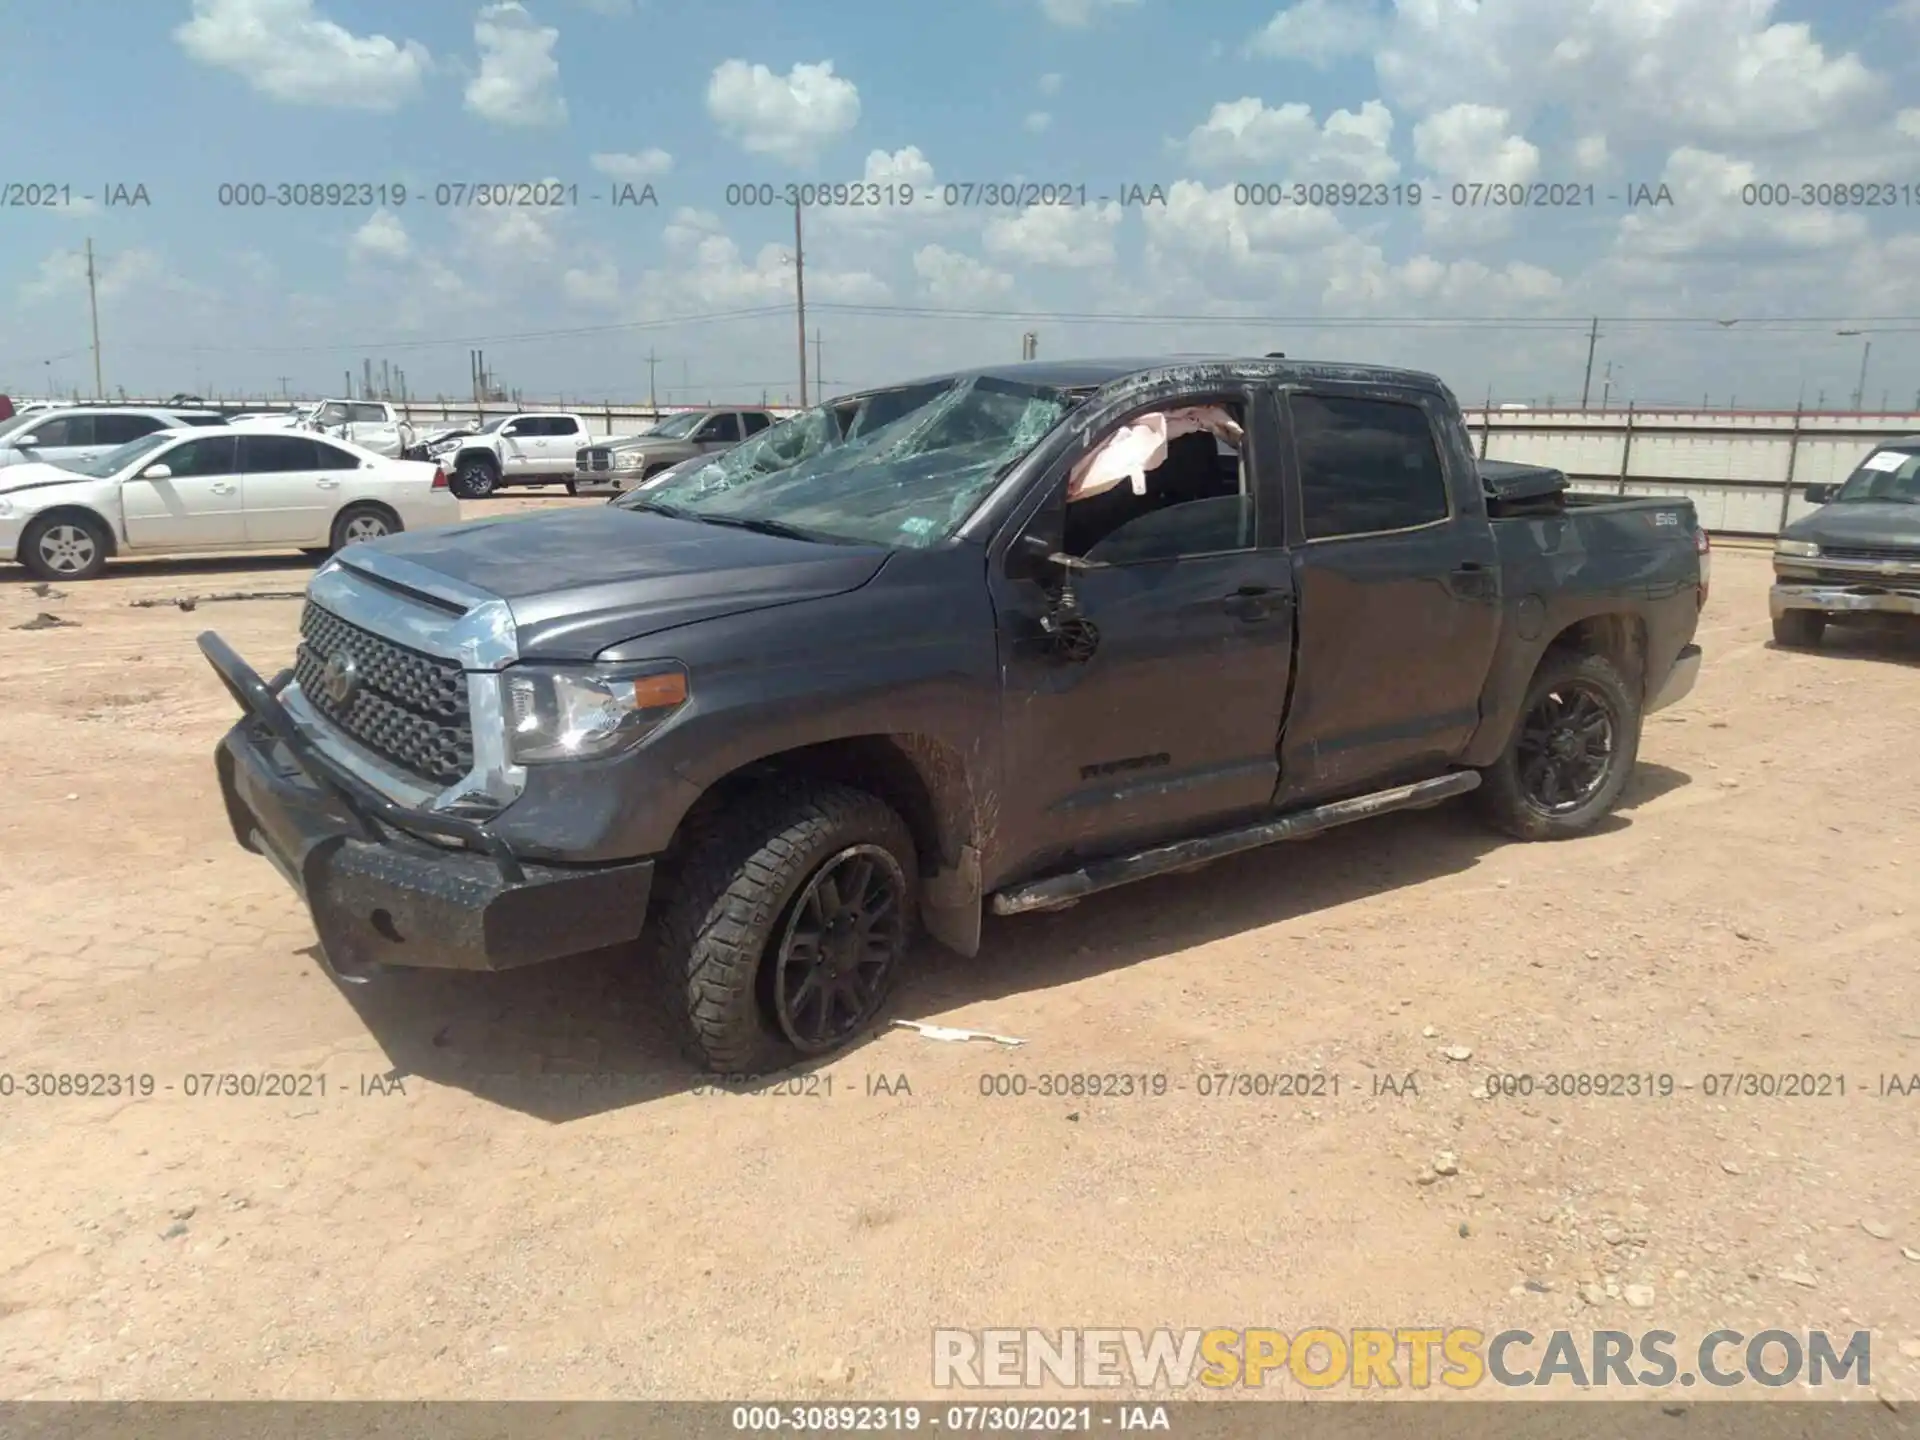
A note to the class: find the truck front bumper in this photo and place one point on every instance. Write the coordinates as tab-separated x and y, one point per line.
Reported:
380	890
1901	598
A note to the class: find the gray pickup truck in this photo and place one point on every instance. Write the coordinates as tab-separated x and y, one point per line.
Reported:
1857	558
992	641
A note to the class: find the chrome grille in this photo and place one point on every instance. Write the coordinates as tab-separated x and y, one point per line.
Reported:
410	709
598	457
1907	556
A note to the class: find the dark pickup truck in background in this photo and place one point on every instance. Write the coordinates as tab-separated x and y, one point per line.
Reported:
1001	639
1858	556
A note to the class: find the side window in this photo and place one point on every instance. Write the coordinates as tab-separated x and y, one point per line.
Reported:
62	430
119	429
369	414
1366	466
334	414
563	425
332	457
755	421
524	428
277	454
209	455
714	427
1160	485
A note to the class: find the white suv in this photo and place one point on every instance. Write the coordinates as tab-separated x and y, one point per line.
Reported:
81	433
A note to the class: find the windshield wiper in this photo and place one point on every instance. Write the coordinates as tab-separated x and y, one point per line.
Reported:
743	522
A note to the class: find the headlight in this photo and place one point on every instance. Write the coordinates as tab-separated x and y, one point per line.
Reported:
628	459
556	713
1805	550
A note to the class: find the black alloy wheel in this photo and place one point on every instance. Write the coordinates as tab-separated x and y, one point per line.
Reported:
843	934
1566	747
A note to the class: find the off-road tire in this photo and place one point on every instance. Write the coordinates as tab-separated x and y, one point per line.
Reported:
1502	799
86	526
720	908
1799	629
573	487
474	480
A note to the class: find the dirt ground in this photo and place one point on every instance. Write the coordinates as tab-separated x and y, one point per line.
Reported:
492	1225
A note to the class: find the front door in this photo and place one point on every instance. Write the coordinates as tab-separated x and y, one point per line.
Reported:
520	446
195	506
1399	583
1153	707
717	432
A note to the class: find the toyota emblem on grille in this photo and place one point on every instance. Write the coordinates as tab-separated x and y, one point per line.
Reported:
341	677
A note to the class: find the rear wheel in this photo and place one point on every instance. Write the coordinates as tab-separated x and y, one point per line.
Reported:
359	523
66	547
781	932
1799	629
573	487
1571	753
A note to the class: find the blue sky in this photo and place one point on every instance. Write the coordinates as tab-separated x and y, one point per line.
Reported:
1704	96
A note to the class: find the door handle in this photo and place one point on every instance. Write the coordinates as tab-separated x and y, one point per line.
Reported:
221	489
1471	580
1256	602
328	484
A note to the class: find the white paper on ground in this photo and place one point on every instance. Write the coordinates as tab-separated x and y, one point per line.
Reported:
944	1032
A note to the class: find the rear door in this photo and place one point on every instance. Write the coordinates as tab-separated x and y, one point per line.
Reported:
288	500
1399	589
196	506
562	441
752	422
372	426
1168	721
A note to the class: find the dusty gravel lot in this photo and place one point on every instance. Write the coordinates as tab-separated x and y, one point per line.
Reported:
492	1227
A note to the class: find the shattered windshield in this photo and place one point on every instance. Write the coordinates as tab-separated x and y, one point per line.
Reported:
1885	475
900	467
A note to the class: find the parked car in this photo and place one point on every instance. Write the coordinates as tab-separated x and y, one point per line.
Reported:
88	432
1055	628
1858	556
435	441
623	463
535	448
212	489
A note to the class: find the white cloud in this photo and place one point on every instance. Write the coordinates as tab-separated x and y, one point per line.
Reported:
893	174
1708	221
286	50
609	7
383	237
1070	237
1207	226
599	285
64	272
1078	14
1319	31
1350	146
1473	144
1037	121
643	165
1654	69
790	117
519	79
948	277
1908	123
708	270
1051	81
1590	152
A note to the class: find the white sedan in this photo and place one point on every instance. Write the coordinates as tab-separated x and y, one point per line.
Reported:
212	490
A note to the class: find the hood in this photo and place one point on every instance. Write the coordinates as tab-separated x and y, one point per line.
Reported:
24	474
581	580
654	446
1863	523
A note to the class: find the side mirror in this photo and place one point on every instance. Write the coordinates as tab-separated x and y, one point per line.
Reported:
157	472
1819	494
25	442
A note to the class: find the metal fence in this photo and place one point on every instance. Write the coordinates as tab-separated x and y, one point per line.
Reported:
1743	470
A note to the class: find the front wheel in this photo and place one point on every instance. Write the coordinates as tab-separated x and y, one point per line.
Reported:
474	480
781	931
358	524
573	487
1571	753
66	547
1799	629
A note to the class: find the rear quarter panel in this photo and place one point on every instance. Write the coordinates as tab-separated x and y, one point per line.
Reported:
1630	558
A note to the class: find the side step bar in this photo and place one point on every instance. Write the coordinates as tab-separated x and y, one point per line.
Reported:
1059	891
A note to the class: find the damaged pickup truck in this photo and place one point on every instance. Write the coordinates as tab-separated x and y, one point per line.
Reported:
994	641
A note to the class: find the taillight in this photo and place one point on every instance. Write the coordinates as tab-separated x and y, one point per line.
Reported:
439	478
1703	547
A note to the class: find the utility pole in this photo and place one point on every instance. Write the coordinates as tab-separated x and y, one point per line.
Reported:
653	395
1606	386
1860	391
283	379
347	394
1030	345
1593	339
800	299
819	367
93	305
